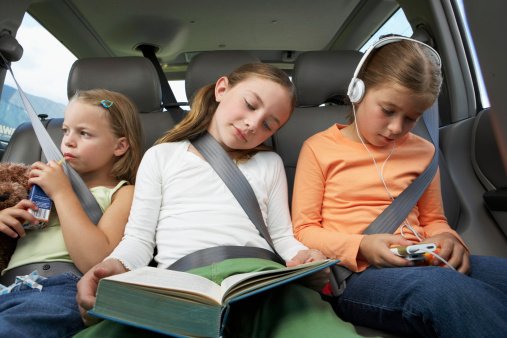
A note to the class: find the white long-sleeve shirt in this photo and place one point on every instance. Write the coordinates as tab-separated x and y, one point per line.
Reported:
181	205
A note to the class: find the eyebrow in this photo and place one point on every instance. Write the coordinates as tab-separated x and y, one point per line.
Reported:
271	115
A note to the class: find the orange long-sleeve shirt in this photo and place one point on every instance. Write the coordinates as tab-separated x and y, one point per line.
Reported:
338	192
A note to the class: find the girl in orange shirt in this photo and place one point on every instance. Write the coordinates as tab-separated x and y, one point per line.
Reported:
347	175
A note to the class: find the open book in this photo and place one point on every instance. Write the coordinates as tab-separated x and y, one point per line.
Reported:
184	304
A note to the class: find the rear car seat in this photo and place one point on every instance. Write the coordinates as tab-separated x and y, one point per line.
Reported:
135	77
206	67
321	80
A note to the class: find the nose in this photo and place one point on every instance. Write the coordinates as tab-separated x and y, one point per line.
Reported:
251	124
68	140
395	126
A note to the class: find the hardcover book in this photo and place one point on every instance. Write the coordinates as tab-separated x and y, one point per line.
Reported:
183	304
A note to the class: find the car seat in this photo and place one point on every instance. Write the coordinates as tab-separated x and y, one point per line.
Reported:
321	79
134	77
206	67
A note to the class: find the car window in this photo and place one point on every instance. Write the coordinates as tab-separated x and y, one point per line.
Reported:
42	73
178	89
396	24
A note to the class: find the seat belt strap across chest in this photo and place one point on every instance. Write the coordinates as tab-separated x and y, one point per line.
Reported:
234	179
51	151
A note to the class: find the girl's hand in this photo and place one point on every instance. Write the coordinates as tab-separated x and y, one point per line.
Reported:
50	177
13	218
451	249
306	256
87	286
375	250
315	281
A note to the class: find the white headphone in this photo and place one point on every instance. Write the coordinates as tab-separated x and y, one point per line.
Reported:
356	87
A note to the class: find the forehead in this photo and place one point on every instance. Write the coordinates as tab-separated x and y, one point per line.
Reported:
79	111
403	98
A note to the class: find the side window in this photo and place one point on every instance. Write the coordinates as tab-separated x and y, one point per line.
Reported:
42	73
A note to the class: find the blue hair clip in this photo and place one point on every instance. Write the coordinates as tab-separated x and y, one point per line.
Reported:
106	104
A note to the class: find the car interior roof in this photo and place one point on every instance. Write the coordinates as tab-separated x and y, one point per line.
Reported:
276	31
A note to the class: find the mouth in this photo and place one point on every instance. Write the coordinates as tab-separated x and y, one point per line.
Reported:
240	134
387	139
68	156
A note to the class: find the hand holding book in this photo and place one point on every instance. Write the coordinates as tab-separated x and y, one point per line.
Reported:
317	280
87	286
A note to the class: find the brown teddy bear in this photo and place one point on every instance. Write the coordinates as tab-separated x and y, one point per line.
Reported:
13	188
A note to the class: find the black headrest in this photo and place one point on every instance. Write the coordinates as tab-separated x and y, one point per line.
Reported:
133	76
206	67
321	75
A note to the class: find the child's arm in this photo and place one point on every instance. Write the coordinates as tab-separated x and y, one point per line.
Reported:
87	286
375	249
307	201
87	243
13	218
436	229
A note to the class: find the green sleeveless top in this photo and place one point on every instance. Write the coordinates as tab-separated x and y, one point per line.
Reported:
46	245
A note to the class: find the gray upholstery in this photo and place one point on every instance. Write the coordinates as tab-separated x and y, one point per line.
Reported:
486	155
23	146
489	168
132	76
205	68
318	77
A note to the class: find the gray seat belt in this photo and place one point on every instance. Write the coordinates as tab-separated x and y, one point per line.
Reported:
391	218
234	179
51	151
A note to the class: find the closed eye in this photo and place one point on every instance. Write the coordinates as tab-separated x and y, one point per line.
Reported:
266	125
249	106
386	111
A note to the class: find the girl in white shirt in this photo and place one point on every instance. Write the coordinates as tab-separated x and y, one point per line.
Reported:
182	206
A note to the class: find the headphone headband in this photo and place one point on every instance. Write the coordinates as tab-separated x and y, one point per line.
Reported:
356	88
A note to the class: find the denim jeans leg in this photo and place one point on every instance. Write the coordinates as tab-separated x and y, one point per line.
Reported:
429	301
51	312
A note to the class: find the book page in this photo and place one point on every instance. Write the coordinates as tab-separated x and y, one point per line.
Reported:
169	281
245	282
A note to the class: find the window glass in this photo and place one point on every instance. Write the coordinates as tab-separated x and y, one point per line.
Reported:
478	73
42	73
397	24
178	89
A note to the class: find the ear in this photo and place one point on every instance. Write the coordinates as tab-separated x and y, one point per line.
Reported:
122	146
221	87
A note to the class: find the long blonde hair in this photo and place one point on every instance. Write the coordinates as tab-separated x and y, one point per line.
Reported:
124	119
204	105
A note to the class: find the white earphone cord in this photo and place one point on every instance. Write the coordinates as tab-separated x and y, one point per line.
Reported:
380	173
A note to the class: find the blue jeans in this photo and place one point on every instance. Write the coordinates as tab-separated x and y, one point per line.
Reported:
430	301
51	312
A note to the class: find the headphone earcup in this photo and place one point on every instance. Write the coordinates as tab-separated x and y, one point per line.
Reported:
356	89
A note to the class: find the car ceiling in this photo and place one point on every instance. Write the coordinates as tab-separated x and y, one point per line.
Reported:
275	30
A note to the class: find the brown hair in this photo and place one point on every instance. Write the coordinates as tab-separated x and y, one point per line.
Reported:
123	116
204	105
405	63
